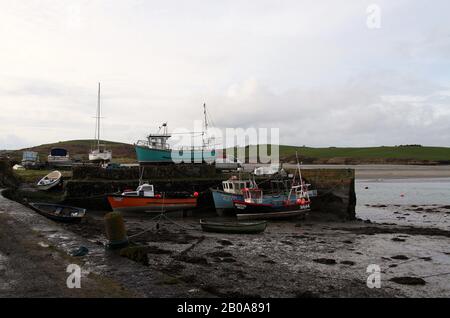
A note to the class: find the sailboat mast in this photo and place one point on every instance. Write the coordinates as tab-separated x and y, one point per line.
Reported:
298	168
205	126
98	118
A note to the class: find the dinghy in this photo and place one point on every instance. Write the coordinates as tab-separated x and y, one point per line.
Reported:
49	181
57	212
233	227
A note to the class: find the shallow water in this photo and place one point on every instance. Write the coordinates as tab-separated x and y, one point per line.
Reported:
400	199
403	191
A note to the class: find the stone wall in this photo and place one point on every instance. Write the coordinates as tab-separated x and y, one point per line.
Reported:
150	172
336	187
7	177
336	191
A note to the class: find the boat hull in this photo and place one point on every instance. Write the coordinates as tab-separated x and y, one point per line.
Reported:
48	210
242	207
100	156
224	200
123	203
146	155
272	215
233	228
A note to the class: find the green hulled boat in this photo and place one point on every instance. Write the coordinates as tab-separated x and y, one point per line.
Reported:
156	149
233	227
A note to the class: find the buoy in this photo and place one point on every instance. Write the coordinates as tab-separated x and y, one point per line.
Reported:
115	230
195	194
402	195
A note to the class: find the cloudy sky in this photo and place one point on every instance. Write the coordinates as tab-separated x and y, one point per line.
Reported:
324	72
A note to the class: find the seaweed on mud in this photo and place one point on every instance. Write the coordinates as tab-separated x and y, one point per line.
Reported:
373	230
192	259
400	257
219	254
225	242
350	263
407	280
162	235
326	261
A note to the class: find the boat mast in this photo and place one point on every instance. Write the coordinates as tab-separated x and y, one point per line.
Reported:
98	118
298	169
205	126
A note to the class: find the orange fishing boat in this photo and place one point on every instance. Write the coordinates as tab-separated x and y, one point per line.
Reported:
145	199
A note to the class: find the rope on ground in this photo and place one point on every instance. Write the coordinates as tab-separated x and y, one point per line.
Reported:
159	219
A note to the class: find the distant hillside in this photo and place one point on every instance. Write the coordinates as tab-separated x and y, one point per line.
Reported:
409	154
79	149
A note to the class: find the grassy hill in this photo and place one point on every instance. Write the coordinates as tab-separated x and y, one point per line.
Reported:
79	149
409	154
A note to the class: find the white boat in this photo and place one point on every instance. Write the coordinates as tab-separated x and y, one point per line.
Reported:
18	167
59	157
49	181
270	170
100	153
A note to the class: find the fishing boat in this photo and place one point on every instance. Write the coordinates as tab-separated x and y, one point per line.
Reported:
59	157
57	212
144	199
100	153
156	149
234	227
49	181
231	191
296	202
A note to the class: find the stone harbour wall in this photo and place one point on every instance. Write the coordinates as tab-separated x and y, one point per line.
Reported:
89	185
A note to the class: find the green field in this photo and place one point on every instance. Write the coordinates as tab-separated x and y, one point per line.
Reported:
124	153
365	154
403	152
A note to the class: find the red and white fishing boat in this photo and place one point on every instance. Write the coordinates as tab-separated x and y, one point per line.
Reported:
255	205
144	199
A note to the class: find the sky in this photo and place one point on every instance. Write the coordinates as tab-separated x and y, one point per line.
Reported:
326	73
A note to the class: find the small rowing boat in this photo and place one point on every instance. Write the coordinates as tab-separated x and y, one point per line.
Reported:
49	181
233	227
57	212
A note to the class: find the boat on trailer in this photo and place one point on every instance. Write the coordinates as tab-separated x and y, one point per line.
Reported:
156	149
50	180
58	212
233	227
144	199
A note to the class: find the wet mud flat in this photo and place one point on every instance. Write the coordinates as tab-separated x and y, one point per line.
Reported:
296	258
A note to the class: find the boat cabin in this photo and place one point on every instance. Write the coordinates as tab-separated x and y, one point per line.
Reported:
144	190
253	195
158	141
236	186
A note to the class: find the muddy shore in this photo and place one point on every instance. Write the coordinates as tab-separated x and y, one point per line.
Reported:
301	258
